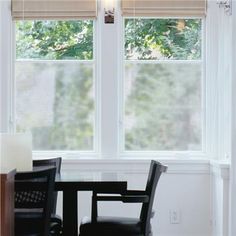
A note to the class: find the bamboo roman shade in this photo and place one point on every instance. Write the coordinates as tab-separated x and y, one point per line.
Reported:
53	9
165	8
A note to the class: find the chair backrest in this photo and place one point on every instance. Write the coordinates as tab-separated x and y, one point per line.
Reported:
52	162
33	190
155	171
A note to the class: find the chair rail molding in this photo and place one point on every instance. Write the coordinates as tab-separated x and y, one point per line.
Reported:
220	169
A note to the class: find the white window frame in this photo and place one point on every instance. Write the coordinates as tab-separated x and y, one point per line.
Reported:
109	145
65	153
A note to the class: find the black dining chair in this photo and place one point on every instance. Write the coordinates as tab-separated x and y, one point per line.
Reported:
107	226
34	192
55	221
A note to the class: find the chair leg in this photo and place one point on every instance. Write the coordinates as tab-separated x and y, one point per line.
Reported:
94	214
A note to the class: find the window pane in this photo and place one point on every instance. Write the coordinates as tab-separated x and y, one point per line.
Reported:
55	100
163	106
54	40
178	39
54	87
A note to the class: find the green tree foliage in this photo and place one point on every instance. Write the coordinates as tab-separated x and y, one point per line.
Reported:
54	40
177	39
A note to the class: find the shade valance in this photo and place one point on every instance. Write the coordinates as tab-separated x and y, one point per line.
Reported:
168	8
53	9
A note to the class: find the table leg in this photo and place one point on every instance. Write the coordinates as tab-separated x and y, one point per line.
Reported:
70	214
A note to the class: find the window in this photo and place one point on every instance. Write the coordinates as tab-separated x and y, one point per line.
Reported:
162	85
55	88
68	100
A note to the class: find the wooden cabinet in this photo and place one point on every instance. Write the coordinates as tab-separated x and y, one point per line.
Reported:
7	203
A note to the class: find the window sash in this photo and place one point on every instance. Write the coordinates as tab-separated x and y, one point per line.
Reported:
73	63
159	153
96	140
122	126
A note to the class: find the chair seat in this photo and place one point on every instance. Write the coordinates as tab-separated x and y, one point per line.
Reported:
107	226
33	220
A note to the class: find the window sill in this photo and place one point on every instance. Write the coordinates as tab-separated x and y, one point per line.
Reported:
141	165
143	156
138	164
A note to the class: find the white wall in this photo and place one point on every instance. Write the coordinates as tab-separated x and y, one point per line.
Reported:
233	129
218	80
185	188
5	61
219	73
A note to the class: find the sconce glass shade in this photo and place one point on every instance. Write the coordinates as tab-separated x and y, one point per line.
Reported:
15	152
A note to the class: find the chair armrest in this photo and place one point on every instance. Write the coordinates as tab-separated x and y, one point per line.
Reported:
125	198
127	192
135	192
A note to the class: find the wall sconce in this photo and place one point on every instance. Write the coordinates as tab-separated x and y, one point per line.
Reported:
109	12
15	152
227	5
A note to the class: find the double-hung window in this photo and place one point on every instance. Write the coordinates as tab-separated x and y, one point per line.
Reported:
163	76
55	84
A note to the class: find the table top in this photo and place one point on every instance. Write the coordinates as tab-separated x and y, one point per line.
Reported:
89	181
69	181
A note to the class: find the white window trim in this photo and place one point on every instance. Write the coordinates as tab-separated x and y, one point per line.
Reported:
109	147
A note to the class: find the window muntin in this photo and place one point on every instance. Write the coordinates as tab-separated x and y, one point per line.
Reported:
55	89
163	72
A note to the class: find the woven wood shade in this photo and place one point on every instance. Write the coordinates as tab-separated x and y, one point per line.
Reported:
53	9
163	8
